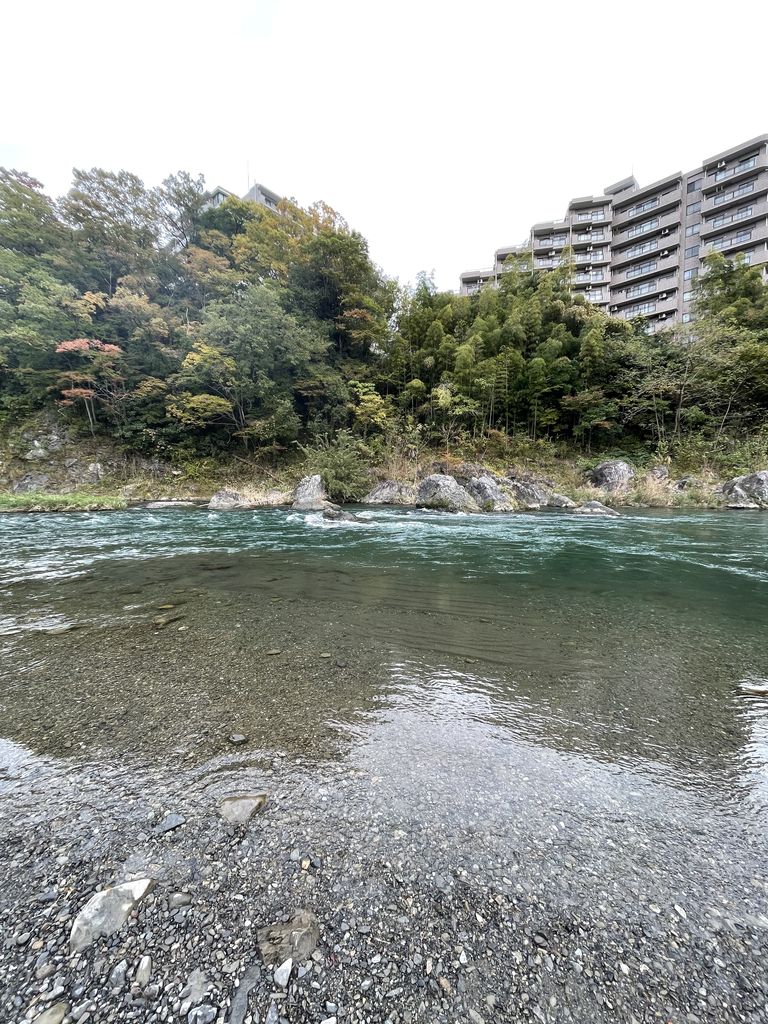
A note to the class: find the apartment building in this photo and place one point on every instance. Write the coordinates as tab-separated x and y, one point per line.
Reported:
256	194
638	250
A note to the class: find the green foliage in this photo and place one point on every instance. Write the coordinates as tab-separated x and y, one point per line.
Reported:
199	333
342	461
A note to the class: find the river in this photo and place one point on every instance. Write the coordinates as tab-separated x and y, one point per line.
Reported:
531	750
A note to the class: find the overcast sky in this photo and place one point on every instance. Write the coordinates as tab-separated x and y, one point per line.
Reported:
440	130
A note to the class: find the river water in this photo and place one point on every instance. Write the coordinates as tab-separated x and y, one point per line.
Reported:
543	699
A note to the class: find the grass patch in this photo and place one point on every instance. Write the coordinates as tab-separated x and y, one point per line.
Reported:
75	502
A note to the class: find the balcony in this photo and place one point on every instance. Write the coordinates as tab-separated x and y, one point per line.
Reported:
584	237
658	222
657	265
655	289
646	248
581	219
737	194
736	239
645	208
734	218
733	173
549	242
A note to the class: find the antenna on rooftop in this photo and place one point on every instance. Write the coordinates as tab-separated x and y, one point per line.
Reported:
248	175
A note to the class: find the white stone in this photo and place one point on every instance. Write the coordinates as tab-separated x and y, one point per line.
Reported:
107	911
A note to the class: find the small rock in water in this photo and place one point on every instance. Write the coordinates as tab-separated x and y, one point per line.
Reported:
283	973
240	809
274	651
325	654
179	899
272	1015
169	823
237	738
165	620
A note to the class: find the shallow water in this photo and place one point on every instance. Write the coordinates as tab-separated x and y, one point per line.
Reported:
627	644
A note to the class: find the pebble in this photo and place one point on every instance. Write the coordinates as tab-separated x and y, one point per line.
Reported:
237	738
283	973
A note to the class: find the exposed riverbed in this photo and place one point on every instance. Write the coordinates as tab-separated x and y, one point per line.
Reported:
515	764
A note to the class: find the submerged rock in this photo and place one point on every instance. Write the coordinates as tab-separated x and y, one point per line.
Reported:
107	911
750	488
391	492
239	809
169	823
336	514
489	496
440	491
310	494
295	938
594	508
612	475
226	499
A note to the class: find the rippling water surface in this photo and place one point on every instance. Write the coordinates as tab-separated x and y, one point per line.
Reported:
467	661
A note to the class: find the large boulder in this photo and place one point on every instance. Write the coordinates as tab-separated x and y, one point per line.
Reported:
310	494
594	508
613	475
391	492
752	488
528	493
489	496
107	911
225	499
440	491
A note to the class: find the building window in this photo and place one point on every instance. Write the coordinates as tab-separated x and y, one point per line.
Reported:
687	296
693	207
688	318
693	250
728	218
694	186
595	295
743	165
642	268
729	240
640	309
642	289
743	190
691	275
642	247
640	229
693	229
649	204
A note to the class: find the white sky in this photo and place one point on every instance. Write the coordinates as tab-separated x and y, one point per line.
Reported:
440	130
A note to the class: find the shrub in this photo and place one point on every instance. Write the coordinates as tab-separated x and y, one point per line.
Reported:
342	462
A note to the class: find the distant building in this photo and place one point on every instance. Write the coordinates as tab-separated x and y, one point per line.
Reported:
256	194
263	195
216	197
637	251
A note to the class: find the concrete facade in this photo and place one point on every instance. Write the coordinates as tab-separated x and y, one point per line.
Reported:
637	251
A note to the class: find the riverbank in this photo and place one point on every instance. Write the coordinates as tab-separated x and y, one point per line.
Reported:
490	814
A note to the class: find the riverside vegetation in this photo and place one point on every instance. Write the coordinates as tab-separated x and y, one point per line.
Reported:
193	348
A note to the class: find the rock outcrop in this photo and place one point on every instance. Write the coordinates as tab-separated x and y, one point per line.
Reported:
612	475
225	500
748	491
489	495
594	508
391	492
310	494
440	491
107	911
